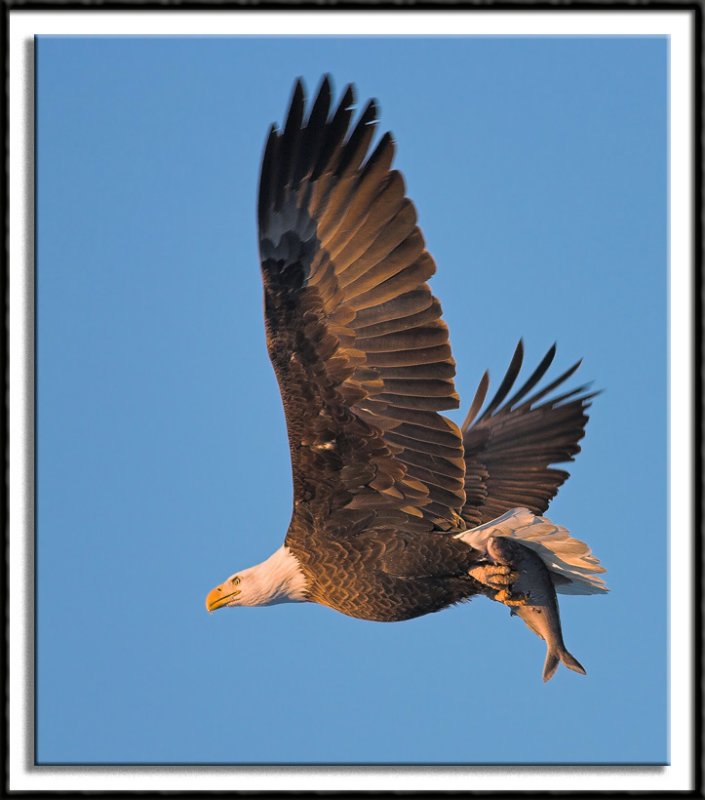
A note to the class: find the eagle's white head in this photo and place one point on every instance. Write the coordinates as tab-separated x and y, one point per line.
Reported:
279	579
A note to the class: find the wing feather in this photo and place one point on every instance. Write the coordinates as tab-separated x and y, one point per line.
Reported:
355	336
510	448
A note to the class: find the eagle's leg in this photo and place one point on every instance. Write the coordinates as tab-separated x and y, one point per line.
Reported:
497	580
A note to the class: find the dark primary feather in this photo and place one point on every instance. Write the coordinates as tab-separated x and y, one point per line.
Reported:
355	336
510	447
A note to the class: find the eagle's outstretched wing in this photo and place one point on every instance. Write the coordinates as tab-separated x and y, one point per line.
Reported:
511	445
355	335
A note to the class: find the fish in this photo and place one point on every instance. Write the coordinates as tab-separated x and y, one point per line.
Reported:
535	602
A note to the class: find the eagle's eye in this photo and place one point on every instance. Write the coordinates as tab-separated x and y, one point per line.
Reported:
235	581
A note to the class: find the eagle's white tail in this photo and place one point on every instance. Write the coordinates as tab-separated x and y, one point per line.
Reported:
573	567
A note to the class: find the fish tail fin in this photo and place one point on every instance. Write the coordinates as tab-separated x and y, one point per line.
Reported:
572	662
551	665
553	659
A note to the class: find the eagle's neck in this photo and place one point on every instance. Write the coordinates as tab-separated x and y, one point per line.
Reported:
279	579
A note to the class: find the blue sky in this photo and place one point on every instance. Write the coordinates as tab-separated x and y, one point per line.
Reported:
538	168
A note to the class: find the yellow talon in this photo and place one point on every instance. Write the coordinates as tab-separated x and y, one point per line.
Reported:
496	576
505	596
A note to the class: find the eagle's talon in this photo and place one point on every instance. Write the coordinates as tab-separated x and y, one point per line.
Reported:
510	599
494	576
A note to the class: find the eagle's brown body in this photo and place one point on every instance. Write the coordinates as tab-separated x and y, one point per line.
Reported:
382	481
385	578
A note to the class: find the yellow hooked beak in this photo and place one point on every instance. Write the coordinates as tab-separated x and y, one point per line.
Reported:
221	595
218	597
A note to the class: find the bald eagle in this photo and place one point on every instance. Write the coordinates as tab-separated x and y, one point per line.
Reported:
393	503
